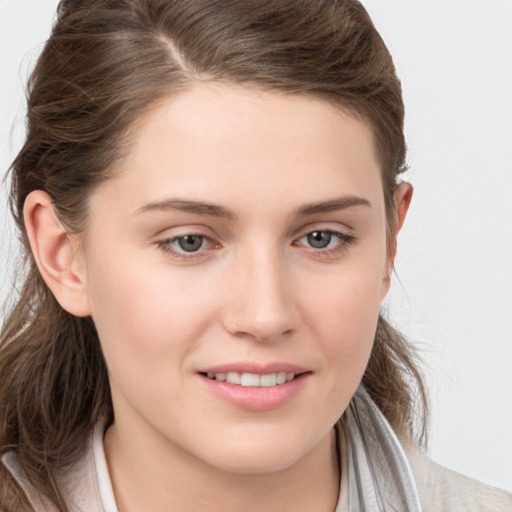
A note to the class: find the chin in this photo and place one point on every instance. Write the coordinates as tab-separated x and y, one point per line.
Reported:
256	464
262	454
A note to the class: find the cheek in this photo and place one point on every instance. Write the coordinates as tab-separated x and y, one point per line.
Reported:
131	307
344	312
149	320
348	330
146	330
343	321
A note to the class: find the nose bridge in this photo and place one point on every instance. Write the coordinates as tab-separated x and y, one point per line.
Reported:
262	304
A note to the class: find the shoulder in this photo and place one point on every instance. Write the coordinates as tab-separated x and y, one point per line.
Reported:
443	490
12	497
77	484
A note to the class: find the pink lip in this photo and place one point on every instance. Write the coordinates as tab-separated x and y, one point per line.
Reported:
256	398
253	367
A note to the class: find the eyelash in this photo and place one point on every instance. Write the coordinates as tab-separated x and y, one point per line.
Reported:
166	247
345	240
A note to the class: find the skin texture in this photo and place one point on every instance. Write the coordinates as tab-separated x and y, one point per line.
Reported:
256	290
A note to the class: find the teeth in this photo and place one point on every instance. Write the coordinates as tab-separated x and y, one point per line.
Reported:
233	378
267	381
250	379
253	379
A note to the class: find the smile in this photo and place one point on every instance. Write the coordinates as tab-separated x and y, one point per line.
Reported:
256	387
253	379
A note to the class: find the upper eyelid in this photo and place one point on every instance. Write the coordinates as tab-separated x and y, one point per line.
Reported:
207	238
174	232
319	226
213	236
171	232
340	234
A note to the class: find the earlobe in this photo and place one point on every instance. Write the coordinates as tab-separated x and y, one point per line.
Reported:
56	254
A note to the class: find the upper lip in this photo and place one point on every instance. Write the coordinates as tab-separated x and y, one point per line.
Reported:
253	367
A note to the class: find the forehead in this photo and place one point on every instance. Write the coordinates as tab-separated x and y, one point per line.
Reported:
226	143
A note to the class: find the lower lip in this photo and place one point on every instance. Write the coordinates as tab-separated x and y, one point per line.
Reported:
256	398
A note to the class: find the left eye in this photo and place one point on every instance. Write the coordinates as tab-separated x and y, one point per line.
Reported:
187	243
190	243
323	239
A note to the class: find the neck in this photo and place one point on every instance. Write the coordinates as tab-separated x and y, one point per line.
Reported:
150	477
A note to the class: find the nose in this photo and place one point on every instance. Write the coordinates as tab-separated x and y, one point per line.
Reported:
260	303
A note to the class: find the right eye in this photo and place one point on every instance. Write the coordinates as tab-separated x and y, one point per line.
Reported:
186	246
189	243
325	241
320	239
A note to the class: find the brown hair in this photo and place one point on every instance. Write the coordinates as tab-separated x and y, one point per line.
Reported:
105	64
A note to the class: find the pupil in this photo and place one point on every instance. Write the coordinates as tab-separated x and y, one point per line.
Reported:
319	239
190	243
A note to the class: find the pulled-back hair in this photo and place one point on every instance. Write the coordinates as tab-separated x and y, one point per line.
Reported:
106	63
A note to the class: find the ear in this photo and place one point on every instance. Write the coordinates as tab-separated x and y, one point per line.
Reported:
56	253
402	198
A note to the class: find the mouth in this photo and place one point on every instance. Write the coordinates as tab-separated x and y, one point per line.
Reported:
254	386
256	389
254	380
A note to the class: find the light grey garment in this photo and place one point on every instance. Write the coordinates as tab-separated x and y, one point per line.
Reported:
379	477
376	473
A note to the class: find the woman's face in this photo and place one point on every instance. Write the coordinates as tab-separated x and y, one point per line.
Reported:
243	239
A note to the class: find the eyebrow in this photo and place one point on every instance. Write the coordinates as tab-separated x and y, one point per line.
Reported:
215	210
340	203
188	206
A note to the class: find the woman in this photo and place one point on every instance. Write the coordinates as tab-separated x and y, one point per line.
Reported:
209	198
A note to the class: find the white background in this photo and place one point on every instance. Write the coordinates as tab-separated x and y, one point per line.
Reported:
454	298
